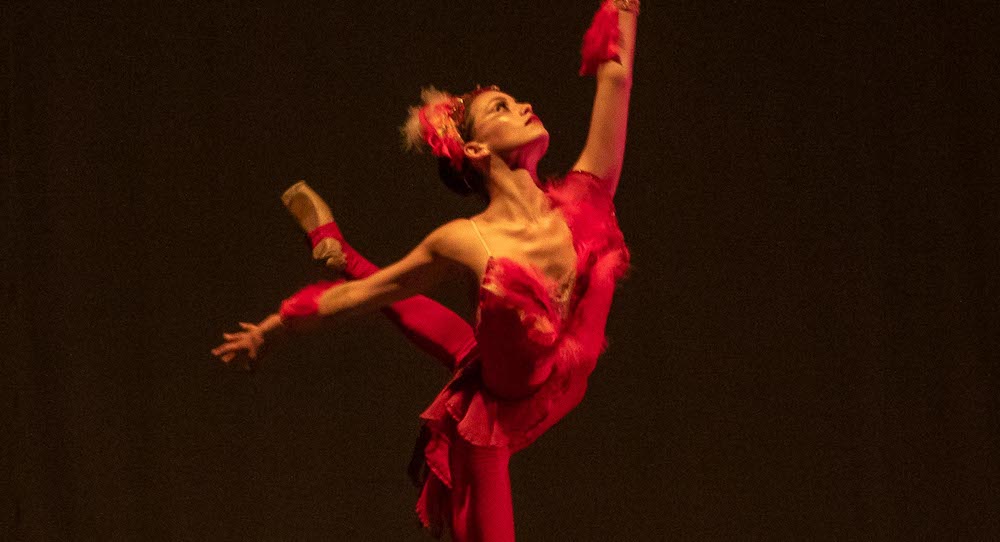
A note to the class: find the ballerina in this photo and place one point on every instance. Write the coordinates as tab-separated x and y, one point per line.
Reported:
545	254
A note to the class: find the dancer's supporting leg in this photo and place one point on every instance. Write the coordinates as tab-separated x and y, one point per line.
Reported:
481	502
428	324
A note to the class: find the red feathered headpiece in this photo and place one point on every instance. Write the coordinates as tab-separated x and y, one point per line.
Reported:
438	122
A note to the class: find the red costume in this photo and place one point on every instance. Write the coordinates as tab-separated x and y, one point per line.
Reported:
518	372
533	359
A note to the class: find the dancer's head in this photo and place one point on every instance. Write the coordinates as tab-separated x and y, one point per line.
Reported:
466	132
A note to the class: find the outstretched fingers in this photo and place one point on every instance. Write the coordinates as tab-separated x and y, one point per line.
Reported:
227	352
224	348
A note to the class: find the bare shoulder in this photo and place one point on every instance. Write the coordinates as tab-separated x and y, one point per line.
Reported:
453	240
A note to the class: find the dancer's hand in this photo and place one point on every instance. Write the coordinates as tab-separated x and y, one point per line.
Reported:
246	347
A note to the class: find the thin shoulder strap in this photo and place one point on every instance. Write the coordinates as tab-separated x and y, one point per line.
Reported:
474	226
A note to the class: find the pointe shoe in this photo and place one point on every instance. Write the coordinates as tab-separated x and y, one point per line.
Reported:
311	212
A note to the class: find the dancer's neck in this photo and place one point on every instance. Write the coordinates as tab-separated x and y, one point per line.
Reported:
515	194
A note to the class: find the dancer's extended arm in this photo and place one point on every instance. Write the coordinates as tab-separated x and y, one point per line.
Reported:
429	325
419	271
608	50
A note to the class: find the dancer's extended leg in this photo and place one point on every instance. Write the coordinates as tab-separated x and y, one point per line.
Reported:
428	324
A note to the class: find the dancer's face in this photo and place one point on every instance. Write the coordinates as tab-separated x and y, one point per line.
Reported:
510	129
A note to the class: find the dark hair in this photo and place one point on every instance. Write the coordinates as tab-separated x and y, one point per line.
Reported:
468	181
464	183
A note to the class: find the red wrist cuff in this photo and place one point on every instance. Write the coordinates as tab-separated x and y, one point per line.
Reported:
600	43
305	302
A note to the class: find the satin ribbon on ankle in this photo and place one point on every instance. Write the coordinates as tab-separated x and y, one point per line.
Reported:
326	230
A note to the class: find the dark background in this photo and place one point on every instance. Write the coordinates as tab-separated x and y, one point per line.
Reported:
805	349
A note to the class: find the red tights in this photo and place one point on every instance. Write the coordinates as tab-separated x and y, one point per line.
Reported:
481	504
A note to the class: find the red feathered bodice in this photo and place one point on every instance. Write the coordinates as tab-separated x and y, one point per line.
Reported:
535	351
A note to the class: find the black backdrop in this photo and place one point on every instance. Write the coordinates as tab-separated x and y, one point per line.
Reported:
805	348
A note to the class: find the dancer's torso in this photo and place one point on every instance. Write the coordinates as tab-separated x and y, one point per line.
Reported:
547	245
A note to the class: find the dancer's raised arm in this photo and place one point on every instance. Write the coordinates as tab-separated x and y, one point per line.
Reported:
608	50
